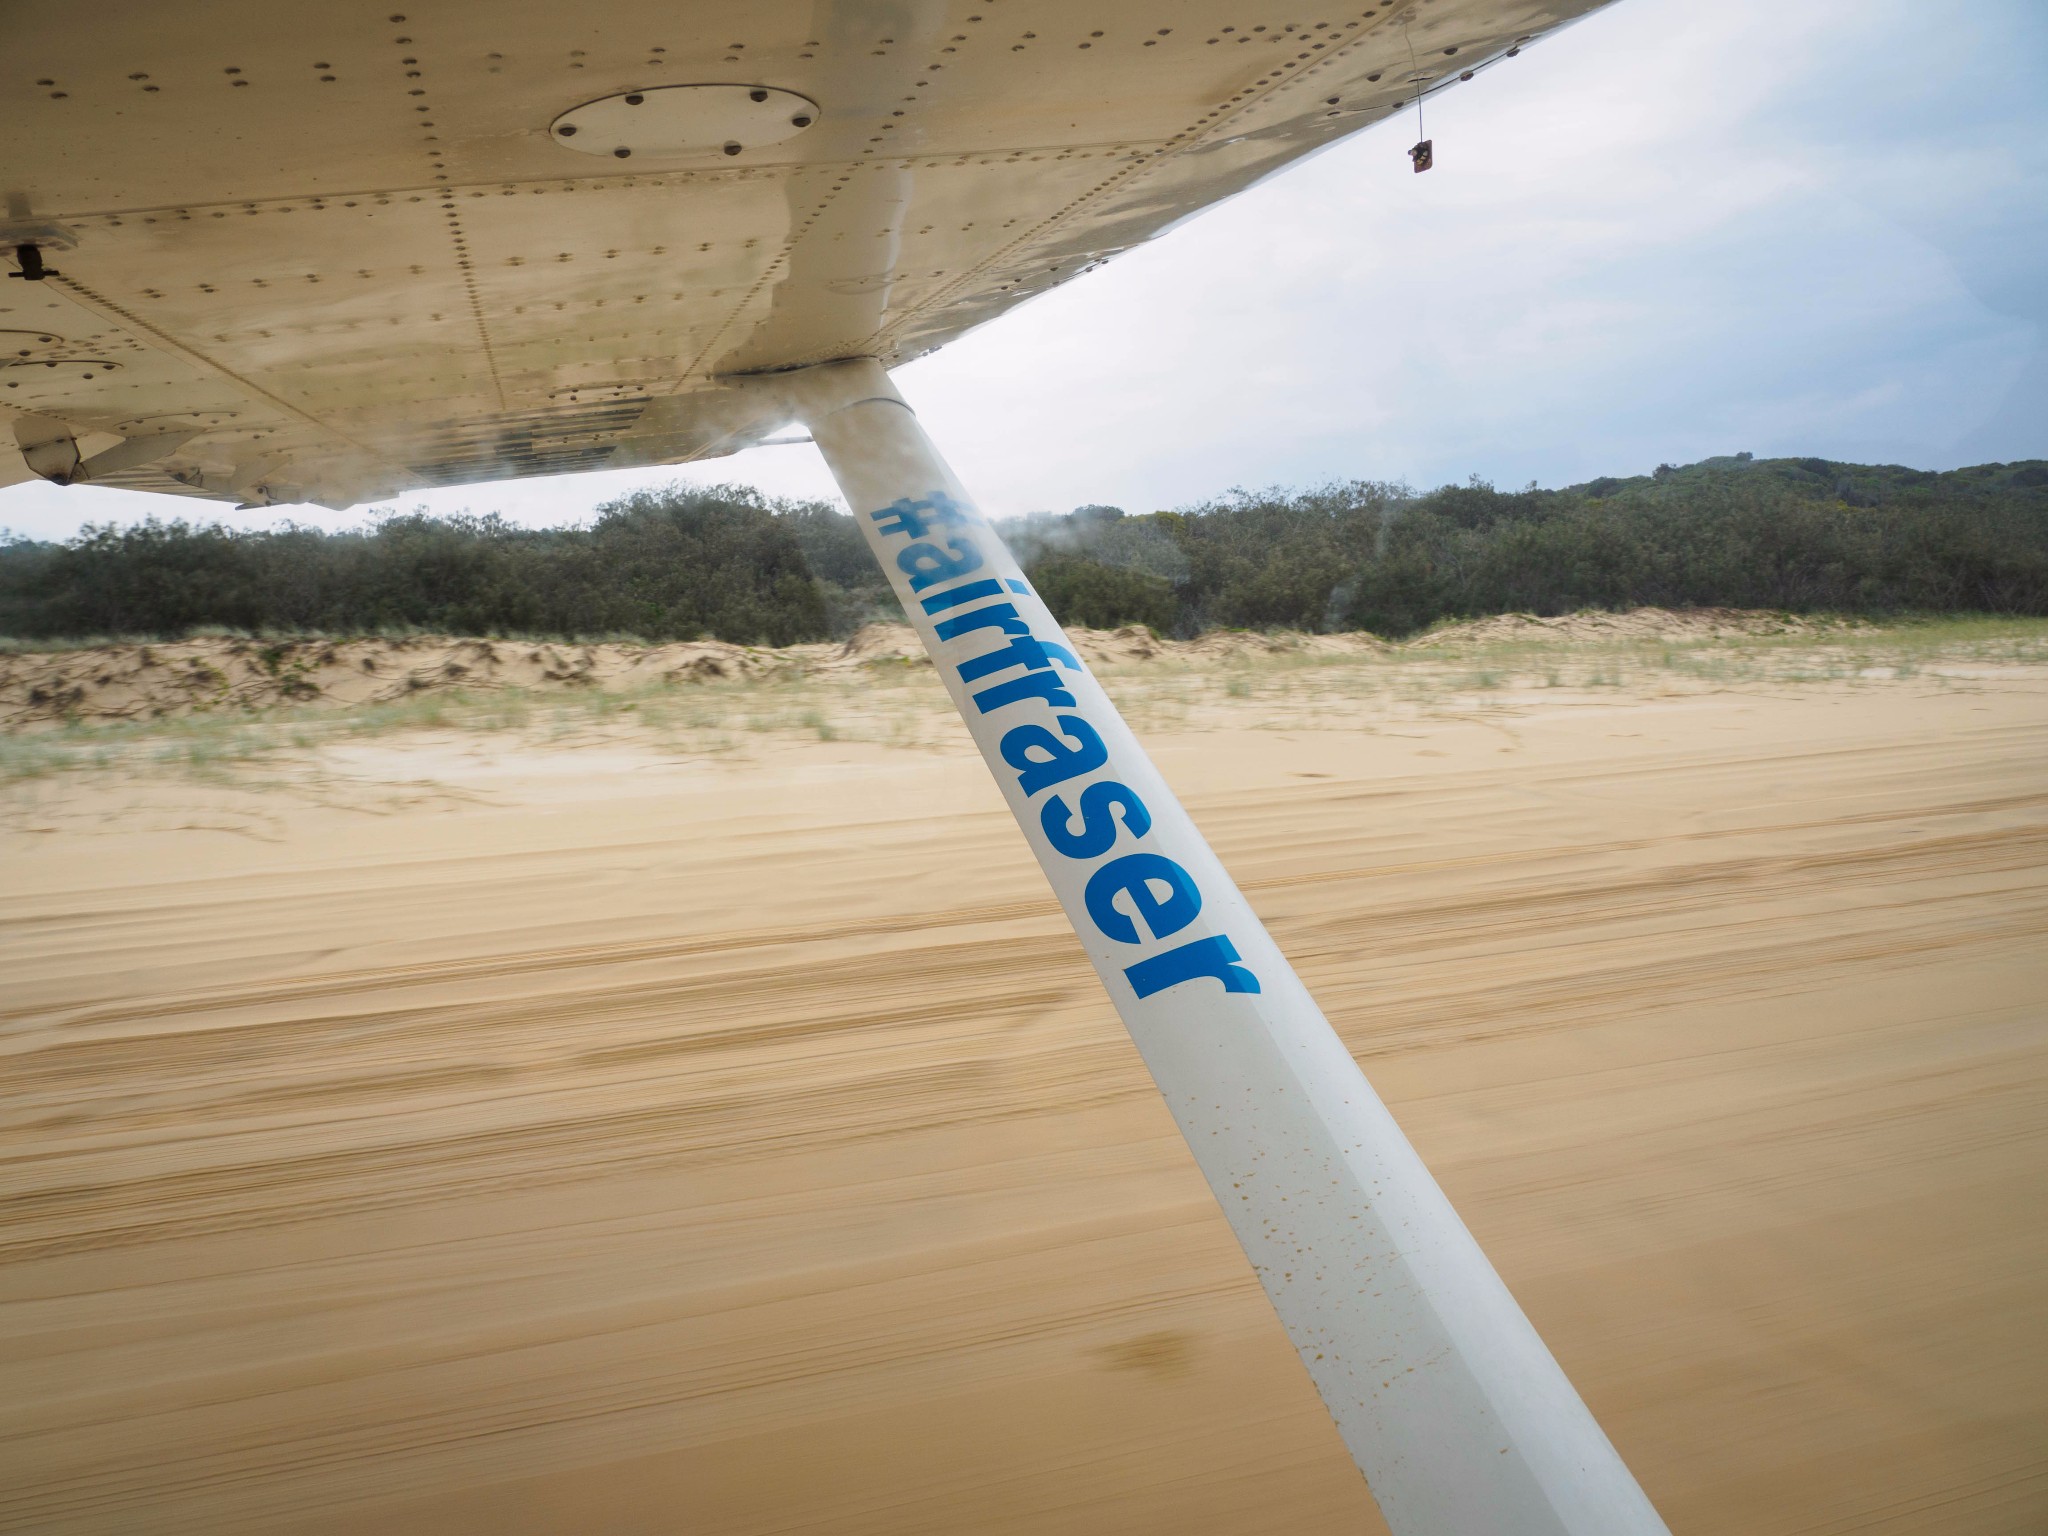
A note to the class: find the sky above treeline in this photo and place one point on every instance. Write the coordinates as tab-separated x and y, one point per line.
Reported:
1672	230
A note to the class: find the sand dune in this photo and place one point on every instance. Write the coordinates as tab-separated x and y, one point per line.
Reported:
559	1135
226	674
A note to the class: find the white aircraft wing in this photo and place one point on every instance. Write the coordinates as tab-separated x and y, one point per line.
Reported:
335	252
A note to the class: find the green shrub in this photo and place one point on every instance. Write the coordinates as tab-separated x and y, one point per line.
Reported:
1800	535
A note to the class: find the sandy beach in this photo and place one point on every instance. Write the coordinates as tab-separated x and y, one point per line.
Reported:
530	1129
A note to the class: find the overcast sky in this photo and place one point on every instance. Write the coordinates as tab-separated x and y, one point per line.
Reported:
1673	230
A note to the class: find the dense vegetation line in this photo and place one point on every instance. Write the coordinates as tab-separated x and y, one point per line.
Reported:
1800	535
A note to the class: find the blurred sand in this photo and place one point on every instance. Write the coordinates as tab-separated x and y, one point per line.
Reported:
528	1137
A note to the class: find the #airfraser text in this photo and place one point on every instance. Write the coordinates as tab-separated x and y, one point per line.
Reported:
1158	897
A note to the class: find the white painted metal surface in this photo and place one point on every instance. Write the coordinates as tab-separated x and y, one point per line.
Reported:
345	249
684	121
1461	1420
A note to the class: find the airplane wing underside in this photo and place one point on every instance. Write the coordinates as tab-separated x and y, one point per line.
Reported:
337	252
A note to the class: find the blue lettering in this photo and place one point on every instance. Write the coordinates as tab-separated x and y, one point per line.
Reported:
1021	652
901	516
1134	875
1032	685
1213	957
973	591
1043	758
927	565
1061	654
995	616
1099	805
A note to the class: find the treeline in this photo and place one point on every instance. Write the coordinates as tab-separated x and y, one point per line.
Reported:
1802	535
663	566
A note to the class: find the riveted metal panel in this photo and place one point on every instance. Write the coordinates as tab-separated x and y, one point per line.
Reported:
351	225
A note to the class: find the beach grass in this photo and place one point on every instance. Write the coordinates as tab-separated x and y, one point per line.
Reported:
901	706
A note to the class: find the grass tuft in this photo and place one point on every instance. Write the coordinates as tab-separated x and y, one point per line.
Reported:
903	708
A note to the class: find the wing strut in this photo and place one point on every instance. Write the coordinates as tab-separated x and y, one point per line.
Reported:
1460	1419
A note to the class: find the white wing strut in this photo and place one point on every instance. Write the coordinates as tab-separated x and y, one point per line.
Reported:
1453	1408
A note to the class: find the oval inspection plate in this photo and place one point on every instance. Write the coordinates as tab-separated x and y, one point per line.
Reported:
673	121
